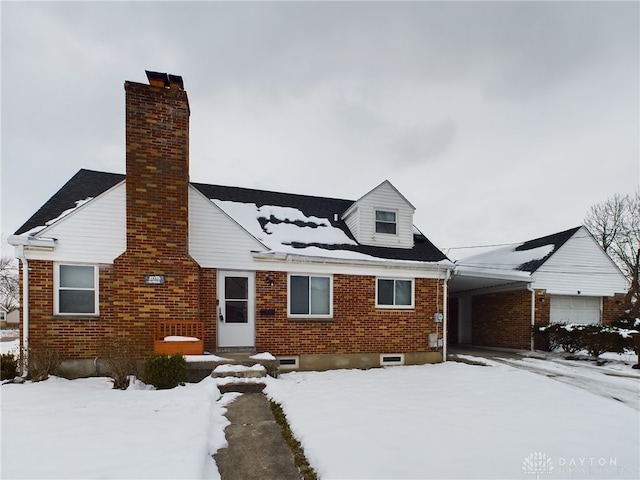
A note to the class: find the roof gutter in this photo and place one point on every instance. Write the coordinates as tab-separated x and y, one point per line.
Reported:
35	243
293	257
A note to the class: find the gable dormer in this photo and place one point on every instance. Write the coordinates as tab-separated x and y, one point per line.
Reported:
382	217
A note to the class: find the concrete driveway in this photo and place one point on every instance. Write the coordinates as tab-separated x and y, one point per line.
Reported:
610	377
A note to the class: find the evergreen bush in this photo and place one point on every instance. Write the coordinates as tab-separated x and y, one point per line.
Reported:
595	339
165	371
9	366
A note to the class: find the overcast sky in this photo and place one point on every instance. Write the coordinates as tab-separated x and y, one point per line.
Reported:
499	121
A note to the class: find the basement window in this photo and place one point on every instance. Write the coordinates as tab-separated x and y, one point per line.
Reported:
76	289
289	363
390	359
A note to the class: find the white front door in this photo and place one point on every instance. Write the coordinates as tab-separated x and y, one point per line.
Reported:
236	309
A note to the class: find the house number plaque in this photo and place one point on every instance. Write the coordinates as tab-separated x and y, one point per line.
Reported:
154	279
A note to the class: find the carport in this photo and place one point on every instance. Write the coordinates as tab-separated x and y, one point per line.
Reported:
472	282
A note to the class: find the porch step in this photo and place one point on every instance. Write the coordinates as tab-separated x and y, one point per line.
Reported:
240	378
243	372
239	371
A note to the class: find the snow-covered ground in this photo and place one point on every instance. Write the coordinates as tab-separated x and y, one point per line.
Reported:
450	420
455	420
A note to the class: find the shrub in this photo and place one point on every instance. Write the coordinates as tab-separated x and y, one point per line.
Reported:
121	362
165	371
9	365
595	339
43	363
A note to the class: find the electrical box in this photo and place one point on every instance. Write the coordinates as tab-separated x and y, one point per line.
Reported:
433	340
438	317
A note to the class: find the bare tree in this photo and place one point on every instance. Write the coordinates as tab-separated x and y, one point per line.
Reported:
616	225
9	285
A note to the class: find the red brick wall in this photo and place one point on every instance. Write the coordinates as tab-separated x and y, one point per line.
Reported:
71	337
612	308
356	327
502	319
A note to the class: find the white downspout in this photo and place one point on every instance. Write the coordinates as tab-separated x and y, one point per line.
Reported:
533	314
445	321
25	309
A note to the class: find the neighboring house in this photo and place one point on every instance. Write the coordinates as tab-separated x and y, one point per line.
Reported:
3	316
13	319
497	296
318	282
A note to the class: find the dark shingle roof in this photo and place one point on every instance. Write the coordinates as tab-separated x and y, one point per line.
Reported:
556	239
84	184
89	183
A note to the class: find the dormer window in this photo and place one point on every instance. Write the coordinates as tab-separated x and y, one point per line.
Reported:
386	222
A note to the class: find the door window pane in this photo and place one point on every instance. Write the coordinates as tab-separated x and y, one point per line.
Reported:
236	287
236	311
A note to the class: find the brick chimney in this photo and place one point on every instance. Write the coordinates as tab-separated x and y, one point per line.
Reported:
155	278
157	158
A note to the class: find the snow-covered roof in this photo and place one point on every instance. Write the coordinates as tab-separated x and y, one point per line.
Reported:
525	257
283	222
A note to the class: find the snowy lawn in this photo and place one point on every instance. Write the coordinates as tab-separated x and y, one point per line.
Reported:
449	420
84	429
455	420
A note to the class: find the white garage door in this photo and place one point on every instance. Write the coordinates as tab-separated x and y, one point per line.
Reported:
574	309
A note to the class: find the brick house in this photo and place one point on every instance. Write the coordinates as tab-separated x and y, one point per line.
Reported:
318	282
496	296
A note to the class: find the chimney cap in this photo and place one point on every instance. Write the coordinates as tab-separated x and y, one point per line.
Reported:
157	79
165	80
175	81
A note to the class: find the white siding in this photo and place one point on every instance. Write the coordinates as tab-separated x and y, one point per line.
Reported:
93	233
580	267
216	240
361	218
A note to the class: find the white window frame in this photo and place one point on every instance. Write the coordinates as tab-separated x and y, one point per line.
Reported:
375	221
394	306
57	288
309	315
389	359
292	362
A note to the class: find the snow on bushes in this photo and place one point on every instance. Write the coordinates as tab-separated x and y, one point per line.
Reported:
595	339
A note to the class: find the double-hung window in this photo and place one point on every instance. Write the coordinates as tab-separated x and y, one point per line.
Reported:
386	222
76	290
310	296
394	293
